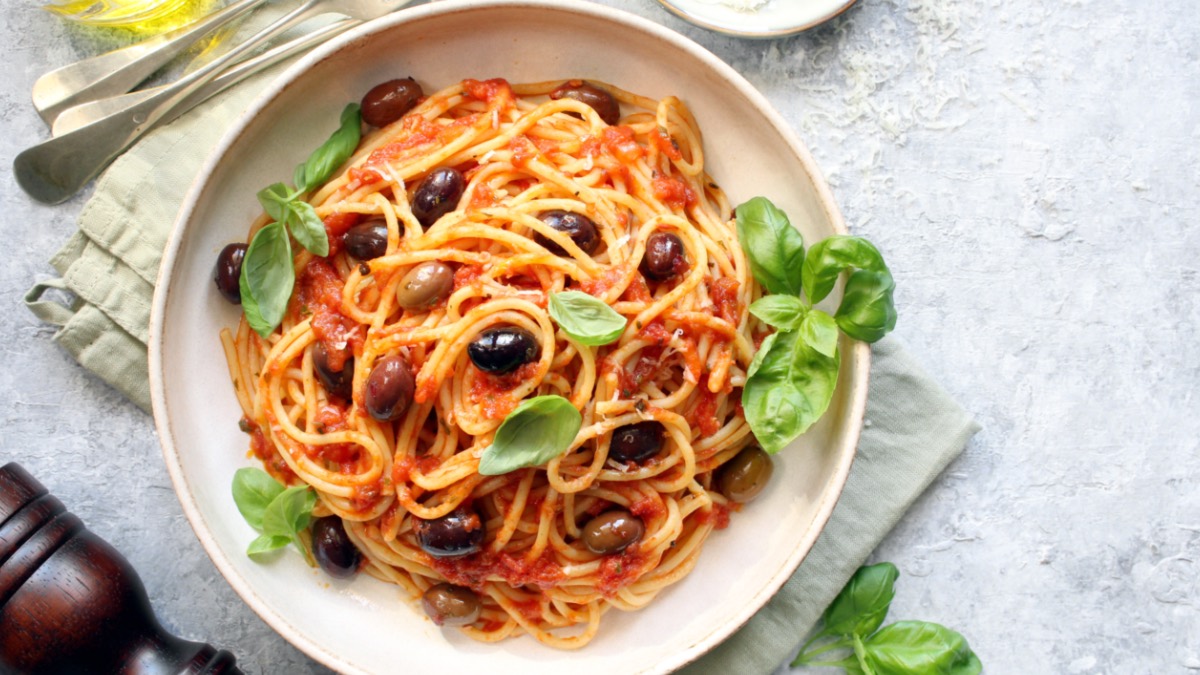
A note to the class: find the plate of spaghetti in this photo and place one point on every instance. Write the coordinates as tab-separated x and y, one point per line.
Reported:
472	389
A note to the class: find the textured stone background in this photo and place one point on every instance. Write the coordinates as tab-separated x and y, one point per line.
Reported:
1031	171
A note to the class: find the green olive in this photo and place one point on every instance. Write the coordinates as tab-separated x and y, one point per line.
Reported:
612	532
450	605
425	285
743	477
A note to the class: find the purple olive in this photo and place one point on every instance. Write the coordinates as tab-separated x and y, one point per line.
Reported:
457	533
337	382
503	349
664	256
228	272
388	102
577	226
601	101
368	240
437	195
389	389
335	553
636	442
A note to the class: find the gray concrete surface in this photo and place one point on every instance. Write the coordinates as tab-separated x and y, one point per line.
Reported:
1031	171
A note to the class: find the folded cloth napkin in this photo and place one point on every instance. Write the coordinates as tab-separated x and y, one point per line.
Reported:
110	266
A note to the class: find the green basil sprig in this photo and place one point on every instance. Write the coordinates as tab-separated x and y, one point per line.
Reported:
852	622
279	513
790	383
539	430
267	275
587	319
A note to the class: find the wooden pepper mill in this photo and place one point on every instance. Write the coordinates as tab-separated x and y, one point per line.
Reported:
70	603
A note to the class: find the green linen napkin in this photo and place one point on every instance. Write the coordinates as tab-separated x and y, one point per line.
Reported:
110	266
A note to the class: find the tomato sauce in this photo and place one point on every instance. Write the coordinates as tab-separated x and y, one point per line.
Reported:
336	225
704	413
723	292
611	277
493	91
618	571
673	192
494	394
620	143
718	515
473	570
665	144
320	295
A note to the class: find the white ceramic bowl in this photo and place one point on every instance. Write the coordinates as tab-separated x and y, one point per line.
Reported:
364	626
776	18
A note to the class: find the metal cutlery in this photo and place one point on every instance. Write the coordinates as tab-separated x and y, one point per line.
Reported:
119	71
55	170
82	115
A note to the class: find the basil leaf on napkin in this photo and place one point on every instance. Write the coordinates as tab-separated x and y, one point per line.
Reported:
863	603
587	319
539	430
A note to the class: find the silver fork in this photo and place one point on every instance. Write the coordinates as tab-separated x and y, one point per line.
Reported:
120	70
55	170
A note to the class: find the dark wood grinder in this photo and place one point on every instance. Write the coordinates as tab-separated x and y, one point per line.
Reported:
70	603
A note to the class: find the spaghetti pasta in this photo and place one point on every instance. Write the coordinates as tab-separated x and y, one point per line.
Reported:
396	457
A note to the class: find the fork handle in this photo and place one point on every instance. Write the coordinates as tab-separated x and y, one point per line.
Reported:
119	71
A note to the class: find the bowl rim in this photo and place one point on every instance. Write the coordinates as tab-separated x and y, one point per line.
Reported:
676	8
855	405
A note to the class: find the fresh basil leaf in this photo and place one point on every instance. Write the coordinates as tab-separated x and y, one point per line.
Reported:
820	331
774	247
333	152
863	603
784	312
920	648
830	257
267	543
761	354
275	201
539	430
267	278
308	228
587	319
867	311
788	391
253	490
289	512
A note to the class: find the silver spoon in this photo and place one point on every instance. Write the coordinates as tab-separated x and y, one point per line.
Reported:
84	114
118	71
55	170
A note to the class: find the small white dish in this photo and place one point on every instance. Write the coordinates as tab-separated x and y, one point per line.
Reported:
365	626
775	18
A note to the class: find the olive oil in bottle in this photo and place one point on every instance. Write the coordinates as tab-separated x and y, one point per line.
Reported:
139	16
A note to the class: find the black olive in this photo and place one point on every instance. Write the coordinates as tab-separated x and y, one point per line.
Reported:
743	477
336	382
579	227
503	349
389	388
437	195
601	101
425	285
450	605
612	532
335	553
664	256
228	272
368	240
636	442
388	102
457	533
